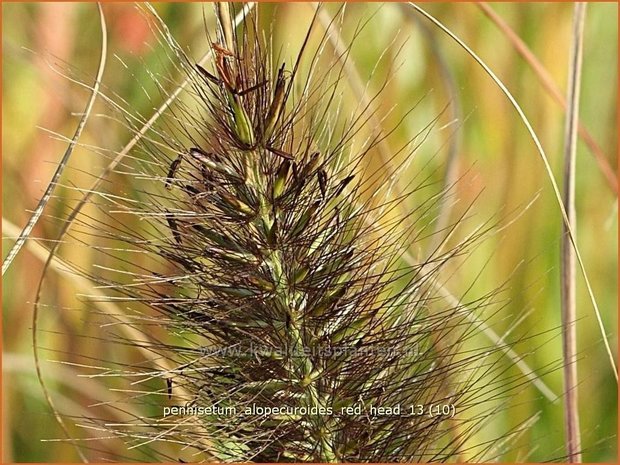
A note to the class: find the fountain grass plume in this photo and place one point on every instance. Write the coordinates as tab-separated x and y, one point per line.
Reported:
271	278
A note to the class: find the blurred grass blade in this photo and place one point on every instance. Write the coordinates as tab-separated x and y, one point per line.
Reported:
567	259
23	237
552	88
543	157
447	77
355	82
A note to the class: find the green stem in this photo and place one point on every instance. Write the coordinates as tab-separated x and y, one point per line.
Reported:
300	365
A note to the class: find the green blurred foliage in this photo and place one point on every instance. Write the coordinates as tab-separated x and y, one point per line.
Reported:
499	168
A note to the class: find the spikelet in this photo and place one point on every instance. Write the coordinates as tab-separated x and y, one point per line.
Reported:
278	288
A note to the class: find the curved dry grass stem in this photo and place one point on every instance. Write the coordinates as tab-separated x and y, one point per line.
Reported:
548	170
567	260
553	90
28	229
23	237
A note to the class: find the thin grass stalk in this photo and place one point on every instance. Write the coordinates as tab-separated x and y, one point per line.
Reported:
443	291
452	161
568	271
31	223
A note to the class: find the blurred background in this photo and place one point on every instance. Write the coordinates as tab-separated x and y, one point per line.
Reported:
499	170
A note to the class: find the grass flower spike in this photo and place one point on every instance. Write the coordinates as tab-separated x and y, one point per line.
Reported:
270	275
